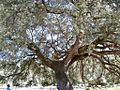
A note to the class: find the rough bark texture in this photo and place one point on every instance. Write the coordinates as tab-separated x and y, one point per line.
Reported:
62	81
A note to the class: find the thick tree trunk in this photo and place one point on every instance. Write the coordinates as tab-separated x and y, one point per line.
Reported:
63	82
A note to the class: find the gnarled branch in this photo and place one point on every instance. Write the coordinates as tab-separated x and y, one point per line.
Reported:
37	51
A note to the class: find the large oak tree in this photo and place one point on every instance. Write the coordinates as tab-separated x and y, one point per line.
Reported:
58	34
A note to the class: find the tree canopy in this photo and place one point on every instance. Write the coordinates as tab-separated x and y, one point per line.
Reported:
60	34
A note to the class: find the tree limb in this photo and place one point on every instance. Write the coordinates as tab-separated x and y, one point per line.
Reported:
73	52
107	52
37	51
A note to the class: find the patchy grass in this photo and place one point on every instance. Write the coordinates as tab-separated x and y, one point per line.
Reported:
111	89
104	89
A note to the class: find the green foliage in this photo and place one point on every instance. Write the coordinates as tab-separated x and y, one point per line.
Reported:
87	89
53	29
2	80
46	83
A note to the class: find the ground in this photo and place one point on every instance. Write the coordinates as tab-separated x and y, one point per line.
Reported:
47	88
53	88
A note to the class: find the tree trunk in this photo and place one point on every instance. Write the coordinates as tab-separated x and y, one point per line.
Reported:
63	82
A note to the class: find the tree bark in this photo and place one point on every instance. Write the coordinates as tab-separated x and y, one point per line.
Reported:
62	80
